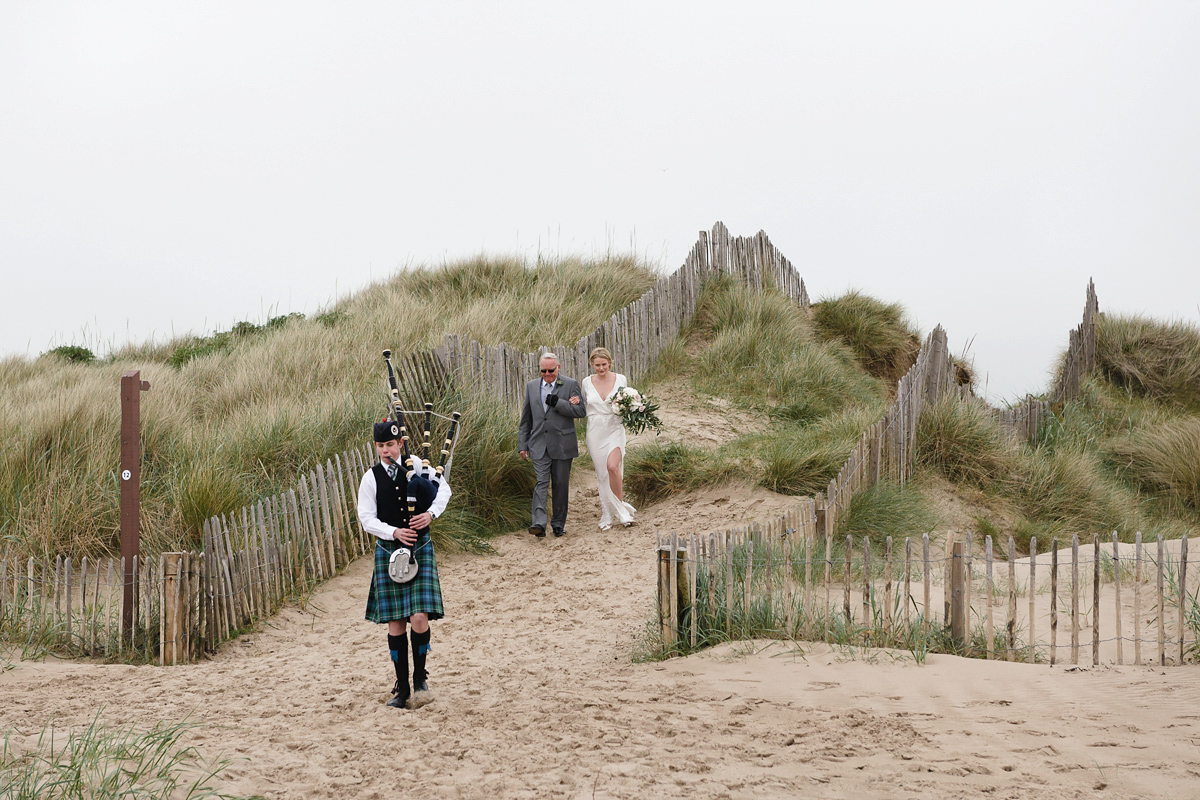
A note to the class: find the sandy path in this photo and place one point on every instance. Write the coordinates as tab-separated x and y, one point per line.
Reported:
538	696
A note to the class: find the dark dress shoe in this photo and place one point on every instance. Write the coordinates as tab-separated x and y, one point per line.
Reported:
399	696
537	530
559	531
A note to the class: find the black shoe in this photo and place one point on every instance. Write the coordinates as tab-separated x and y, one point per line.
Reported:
537	530
399	695
559	531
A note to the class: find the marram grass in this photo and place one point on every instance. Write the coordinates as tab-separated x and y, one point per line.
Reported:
963	441
100	762
660	469
1160	360
759	349
876	332
1163	459
245	418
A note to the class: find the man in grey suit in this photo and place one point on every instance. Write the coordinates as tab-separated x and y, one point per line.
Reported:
547	434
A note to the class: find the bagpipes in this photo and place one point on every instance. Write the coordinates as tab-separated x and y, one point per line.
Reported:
422	479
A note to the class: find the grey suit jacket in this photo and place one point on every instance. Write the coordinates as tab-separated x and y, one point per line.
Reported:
551	432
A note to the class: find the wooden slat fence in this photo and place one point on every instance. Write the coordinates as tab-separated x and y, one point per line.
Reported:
885	450
250	562
1023	420
45	604
1102	602
1080	358
792	577
636	334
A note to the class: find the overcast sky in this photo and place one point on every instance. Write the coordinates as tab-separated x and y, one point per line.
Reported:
174	167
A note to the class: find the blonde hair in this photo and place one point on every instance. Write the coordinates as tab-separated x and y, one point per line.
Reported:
600	352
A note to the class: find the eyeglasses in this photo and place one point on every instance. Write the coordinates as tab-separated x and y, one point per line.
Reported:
545	371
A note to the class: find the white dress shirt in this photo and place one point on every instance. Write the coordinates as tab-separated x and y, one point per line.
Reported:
367	508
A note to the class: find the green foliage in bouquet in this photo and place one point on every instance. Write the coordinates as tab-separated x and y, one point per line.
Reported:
636	411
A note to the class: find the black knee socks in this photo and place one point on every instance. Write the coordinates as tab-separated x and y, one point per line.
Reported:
420	647
398	645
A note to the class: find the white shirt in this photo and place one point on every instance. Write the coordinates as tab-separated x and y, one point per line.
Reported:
367	508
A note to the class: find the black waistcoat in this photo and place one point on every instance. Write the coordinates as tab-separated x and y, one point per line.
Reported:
391	497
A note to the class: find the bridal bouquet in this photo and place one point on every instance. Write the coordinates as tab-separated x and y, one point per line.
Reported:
636	412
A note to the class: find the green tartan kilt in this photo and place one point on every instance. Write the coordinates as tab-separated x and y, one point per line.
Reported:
388	600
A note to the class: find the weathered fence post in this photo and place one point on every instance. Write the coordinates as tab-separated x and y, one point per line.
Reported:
991	631
958	597
672	589
1032	596
173	611
1183	595
1095	600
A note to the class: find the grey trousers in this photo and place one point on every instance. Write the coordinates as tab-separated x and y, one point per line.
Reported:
556	471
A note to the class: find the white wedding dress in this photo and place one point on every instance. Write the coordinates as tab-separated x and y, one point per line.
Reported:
605	432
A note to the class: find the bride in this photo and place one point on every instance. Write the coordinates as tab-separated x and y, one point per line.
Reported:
606	438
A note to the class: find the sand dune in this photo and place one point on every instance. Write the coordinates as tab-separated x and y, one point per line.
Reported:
538	696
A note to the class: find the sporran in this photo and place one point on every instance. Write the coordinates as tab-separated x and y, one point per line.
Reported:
402	567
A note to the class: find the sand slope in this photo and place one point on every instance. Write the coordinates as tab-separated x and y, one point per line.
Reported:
538	696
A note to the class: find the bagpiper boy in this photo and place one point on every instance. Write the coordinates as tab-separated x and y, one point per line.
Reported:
385	497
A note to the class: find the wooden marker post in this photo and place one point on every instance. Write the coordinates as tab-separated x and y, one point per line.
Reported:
132	387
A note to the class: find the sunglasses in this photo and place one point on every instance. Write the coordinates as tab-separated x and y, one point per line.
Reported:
544	371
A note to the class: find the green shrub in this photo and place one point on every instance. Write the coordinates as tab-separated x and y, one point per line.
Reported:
282	320
224	341
800	469
330	318
727	304
802	460
198	347
875	331
74	353
1101	412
